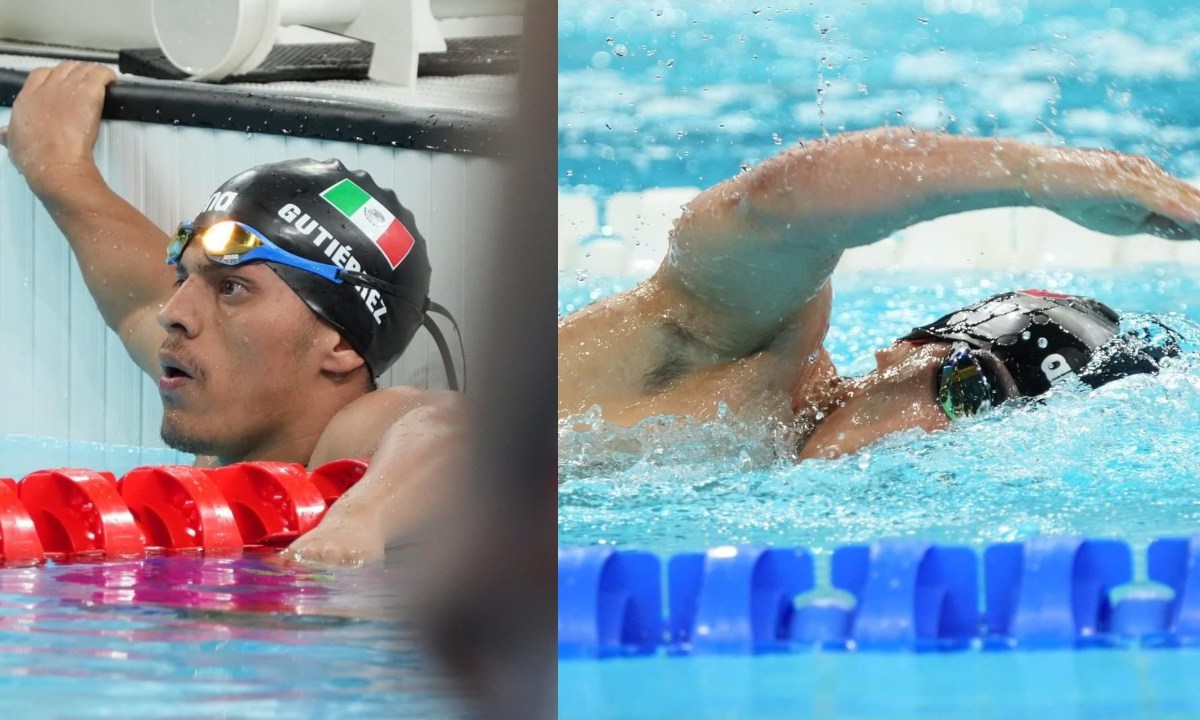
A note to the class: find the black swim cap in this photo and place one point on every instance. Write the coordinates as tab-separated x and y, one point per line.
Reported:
323	212
1042	337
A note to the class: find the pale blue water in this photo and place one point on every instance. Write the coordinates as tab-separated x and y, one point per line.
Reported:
684	93
192	637
1057	685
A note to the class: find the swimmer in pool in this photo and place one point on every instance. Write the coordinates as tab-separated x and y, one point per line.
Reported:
737	312
264	346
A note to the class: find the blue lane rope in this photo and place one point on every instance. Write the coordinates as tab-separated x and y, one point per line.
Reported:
1045	592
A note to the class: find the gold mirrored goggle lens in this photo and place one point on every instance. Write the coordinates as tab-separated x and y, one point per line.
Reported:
227	241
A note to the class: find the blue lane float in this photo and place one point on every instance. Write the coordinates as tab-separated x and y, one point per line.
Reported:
910	594
735	600
1175	562
609	602
1052	591
903	595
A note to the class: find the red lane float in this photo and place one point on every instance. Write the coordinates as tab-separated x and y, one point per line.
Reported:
181	508
274	503
19	544
70	513
80	512
333	479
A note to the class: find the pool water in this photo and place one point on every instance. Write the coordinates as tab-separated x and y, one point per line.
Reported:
1062	685
191	637
683	94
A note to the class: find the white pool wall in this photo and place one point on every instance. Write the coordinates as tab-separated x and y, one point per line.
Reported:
64	374
626	234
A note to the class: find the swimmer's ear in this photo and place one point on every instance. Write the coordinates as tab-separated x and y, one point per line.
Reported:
342	359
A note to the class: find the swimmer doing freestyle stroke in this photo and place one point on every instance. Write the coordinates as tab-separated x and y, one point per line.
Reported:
738	310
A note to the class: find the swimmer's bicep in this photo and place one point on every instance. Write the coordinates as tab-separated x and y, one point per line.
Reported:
750	269
739	305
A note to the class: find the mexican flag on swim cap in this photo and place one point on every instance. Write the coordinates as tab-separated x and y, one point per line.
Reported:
1043	337
372	218
324	212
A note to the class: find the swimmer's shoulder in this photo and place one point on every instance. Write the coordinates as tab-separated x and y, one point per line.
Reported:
625	345
357	430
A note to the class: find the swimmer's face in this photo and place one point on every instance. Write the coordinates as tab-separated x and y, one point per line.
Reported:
242	360
898	395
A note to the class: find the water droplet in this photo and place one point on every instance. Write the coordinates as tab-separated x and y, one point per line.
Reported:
1043	342
1026	335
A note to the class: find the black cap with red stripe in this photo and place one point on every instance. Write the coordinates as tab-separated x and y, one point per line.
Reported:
1042	337
323	212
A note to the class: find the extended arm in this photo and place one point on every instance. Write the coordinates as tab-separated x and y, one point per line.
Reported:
750	252
50	138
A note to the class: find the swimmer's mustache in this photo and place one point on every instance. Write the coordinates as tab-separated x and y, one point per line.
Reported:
172	354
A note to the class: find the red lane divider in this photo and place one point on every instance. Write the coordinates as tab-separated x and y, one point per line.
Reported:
180	508
80	512
19	544
274	503
70	513
333	479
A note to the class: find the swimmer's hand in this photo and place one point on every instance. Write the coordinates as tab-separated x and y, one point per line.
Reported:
55	120
1113	193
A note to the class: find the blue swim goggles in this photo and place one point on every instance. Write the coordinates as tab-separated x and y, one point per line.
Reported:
971	381
234	243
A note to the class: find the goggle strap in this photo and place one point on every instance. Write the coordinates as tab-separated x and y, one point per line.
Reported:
444	347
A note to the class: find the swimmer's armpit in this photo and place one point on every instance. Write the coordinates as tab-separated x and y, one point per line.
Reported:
682	352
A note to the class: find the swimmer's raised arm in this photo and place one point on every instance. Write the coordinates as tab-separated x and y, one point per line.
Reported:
749	253
50	138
